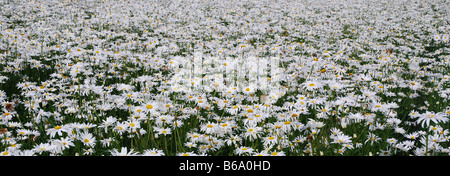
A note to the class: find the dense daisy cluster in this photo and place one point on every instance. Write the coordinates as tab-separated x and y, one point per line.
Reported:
96	77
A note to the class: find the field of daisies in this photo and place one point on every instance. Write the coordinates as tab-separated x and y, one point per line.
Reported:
273	78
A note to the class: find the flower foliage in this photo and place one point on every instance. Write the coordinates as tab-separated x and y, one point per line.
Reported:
115	77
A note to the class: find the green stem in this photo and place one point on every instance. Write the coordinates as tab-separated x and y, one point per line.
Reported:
175	140
165	145
150	134
179	141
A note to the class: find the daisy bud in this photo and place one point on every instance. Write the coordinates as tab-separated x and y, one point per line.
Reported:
344	125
